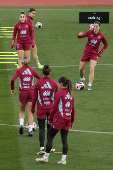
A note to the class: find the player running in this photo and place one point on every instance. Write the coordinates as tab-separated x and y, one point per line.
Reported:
26	76
91	51
30	16
44	93
25	37
61	118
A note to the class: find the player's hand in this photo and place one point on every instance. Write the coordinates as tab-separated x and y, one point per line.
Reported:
99	55
12	92
49	122
72	125
80	33
12	45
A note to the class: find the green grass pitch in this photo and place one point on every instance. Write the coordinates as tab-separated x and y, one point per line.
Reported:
58	45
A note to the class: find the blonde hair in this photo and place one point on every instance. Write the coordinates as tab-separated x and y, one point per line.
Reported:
25	60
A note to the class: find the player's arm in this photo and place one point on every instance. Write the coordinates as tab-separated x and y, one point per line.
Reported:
105	46
14	36
72	114
16	75
82	35
37	75
54	109
31	32
57	87
34	99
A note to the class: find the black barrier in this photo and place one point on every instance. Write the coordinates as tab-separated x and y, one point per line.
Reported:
90	17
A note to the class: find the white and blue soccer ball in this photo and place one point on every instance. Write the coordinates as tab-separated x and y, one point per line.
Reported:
79	85
38	25
91	26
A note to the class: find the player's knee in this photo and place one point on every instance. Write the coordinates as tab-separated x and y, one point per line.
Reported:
81	69
91	70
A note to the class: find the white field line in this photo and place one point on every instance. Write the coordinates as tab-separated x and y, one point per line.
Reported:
60	66
73	130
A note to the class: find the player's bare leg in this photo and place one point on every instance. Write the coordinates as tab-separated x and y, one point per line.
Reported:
21	117
27	53
81	70
35	56
30	118
20	56
91	75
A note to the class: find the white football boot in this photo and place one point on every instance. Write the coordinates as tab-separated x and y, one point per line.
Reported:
62	162
42	160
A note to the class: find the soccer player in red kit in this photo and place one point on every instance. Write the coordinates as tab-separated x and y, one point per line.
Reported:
91	51
30	16
61	118
24	33
26	76
44	93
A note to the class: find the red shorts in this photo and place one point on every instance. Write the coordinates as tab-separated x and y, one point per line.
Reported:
43	113
61	124
26	96
23	46
88	57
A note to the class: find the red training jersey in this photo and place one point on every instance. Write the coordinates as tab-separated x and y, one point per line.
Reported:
24	32
63	108
26	76
30	20
44	93
93	43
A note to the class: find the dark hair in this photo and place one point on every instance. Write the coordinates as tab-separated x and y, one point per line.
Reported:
22	12
97	22
31	10
46	70
66	83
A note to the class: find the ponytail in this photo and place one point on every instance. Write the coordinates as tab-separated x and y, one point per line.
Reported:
66	83
69	86
46	70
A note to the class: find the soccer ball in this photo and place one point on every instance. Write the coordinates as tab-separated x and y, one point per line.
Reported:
91	26
38	25
34	126
80	86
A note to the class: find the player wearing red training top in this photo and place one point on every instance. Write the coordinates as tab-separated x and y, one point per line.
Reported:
91	51
62	118
44	93
24	33
26	76
30	16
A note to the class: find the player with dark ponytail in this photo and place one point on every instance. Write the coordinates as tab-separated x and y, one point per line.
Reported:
61	118
44	95
66	83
